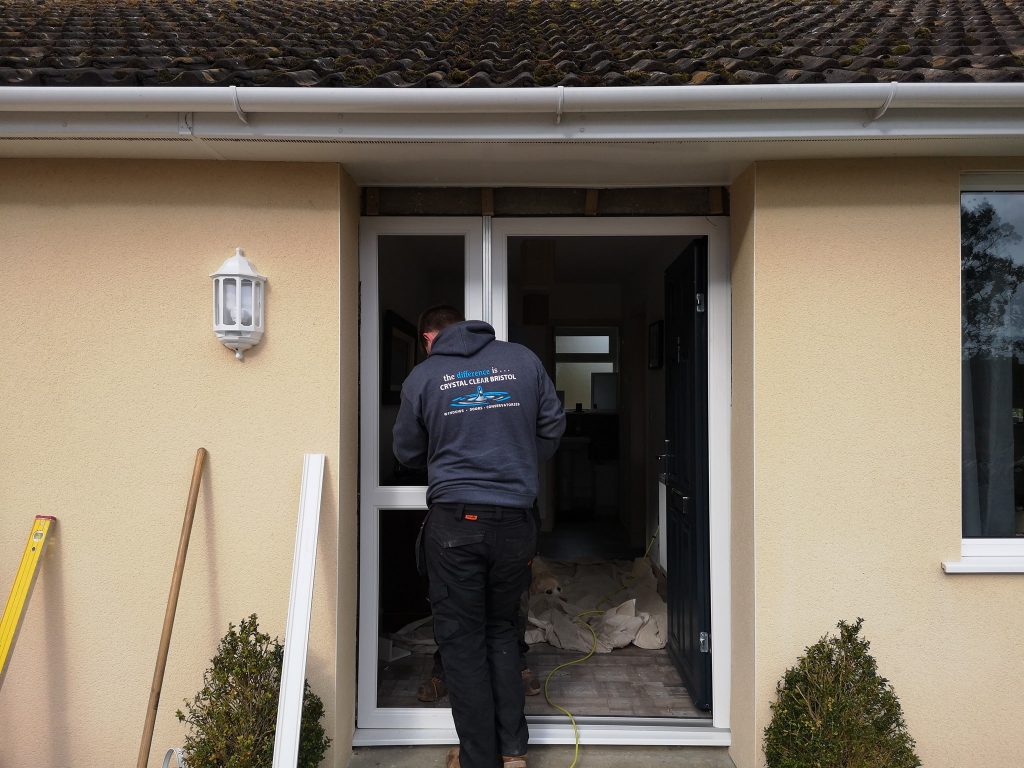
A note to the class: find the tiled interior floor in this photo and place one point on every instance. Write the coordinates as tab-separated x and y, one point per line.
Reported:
628	682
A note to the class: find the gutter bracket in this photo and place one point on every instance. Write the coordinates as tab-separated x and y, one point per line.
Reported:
561	103
186	126
238	107
185	122
885	107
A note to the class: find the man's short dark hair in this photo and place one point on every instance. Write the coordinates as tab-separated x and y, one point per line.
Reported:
437	318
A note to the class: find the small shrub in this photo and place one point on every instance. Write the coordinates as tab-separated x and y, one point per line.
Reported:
232	720
833	710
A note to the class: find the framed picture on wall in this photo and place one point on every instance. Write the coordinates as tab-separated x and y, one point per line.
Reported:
656	344
397	355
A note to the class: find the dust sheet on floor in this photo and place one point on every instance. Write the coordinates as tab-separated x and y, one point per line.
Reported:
626	593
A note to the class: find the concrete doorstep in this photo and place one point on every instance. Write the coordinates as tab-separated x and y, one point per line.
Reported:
559	756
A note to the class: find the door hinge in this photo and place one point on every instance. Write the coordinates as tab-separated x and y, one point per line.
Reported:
705	642
700	302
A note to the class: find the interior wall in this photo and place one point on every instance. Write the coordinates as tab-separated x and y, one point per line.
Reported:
112	379
855	333
646	306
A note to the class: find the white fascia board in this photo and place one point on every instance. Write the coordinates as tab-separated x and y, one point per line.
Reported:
669	113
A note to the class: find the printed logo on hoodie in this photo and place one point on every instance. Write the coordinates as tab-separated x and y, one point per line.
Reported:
479	398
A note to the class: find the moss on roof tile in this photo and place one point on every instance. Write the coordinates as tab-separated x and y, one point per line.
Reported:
505	43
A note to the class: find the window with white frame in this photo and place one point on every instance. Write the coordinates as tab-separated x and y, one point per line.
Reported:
992	356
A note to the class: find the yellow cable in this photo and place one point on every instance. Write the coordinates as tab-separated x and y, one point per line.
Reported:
593	649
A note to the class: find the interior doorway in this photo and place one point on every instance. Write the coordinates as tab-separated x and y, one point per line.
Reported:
591	305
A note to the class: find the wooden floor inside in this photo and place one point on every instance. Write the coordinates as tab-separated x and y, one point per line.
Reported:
628	682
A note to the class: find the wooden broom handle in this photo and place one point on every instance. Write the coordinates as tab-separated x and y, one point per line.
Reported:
172	604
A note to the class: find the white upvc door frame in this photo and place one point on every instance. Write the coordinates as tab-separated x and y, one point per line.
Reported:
373	497
719	308
380	726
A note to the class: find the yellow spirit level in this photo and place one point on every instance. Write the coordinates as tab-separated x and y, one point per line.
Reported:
22	589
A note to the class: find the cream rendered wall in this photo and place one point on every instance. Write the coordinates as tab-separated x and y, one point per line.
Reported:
348	528
847	320
111	380
745	741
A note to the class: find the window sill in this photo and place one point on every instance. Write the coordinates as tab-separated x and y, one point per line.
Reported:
984	565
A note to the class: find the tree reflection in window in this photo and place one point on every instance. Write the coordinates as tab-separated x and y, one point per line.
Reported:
990	281
992	325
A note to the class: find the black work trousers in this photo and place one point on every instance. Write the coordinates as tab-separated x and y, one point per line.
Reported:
437	670
478	565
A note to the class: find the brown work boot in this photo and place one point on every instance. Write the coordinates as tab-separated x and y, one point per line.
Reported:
530	683
452	761
514	761
432	690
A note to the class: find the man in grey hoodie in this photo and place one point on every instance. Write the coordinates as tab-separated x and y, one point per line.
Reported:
480	415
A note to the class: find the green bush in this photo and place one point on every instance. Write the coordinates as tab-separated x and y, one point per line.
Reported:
232	720
832	710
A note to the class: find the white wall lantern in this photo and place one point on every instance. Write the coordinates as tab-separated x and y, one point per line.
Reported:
238	303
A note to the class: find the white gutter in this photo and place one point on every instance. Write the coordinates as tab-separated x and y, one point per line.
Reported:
726	112
512	100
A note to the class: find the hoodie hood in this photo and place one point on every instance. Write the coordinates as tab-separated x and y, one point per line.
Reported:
463	339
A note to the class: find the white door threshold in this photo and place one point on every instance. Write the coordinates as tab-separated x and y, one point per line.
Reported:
695	733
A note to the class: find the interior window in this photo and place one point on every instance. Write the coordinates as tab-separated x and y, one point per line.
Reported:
586	367
992	336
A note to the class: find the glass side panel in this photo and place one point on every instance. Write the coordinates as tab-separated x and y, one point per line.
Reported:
414	272
405	650
992	328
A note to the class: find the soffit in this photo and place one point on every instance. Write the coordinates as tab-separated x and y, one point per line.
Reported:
590	164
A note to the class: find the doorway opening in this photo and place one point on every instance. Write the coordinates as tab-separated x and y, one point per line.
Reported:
592	307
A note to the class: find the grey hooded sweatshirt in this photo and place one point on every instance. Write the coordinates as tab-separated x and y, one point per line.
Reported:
481	415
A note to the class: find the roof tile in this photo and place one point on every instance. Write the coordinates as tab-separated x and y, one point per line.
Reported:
507	43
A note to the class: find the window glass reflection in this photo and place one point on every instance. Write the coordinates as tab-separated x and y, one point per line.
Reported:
992	334
414	272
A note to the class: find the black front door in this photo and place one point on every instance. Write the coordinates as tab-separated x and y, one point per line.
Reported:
686	470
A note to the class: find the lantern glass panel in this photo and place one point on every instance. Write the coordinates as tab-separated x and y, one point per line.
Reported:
246	318
216	301
230	300
257	305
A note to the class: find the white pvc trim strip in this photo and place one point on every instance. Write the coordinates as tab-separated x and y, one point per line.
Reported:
300	607
696	735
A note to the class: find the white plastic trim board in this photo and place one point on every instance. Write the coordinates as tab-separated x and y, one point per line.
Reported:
300	606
